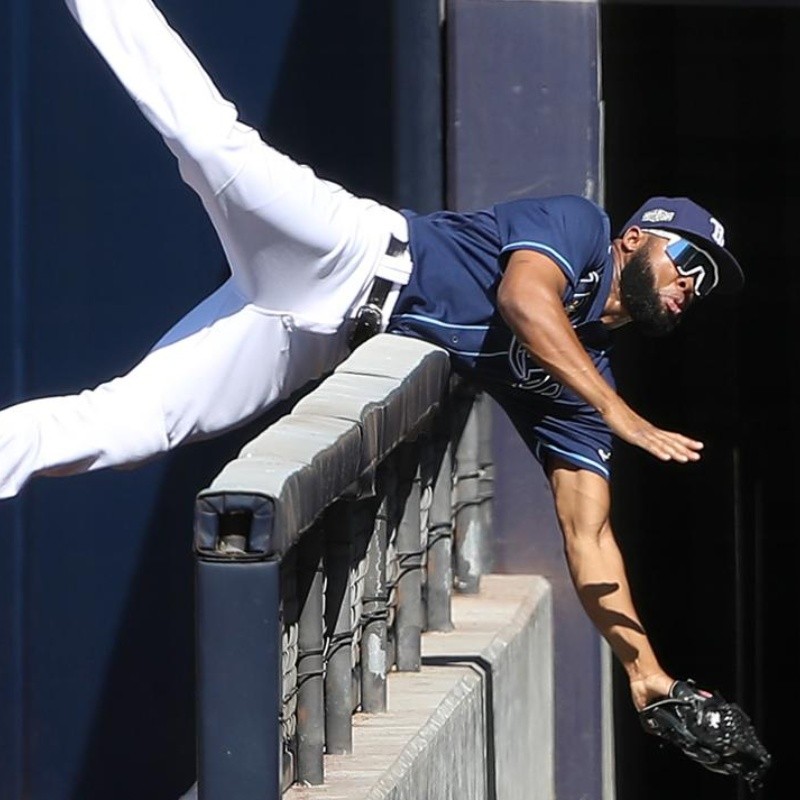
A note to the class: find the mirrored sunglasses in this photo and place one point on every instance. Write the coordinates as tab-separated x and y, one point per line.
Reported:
690	261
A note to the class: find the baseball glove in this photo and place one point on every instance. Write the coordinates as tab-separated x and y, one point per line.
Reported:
709	730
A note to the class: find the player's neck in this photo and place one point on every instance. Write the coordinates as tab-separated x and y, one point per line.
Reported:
614	313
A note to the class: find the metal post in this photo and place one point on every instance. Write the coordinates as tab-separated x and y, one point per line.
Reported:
310	692
374	666
289	614
389	473
362	526
409	623
440	535
468	527
485	475
338	673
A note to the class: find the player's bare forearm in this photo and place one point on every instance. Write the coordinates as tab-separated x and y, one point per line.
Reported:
598	573
529	299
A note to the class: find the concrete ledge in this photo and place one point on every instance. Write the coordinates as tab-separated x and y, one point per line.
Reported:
436	740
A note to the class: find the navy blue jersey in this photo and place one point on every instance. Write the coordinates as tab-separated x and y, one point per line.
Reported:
451	301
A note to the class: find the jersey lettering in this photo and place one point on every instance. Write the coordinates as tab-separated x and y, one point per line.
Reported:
530	376
583	296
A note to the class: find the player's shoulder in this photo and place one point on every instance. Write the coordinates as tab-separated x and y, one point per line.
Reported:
558	205
577	205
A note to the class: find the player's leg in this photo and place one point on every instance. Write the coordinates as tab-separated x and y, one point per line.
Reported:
224	363
294	242
230	358
215	375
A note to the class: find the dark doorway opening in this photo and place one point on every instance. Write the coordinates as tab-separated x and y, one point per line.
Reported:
698	101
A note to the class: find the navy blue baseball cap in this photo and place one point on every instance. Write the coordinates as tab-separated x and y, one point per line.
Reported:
683	216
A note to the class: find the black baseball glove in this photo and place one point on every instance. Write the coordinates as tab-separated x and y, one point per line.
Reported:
709	730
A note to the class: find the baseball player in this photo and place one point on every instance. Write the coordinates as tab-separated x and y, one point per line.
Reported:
525	296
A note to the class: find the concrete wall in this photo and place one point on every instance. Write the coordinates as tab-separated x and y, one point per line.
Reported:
476	722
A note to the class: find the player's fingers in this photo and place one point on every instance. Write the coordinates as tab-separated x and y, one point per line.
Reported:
669	446
692	444
663	444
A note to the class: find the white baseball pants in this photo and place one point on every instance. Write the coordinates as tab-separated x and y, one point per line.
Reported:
302	252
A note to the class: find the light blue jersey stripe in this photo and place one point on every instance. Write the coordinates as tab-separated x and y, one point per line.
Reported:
544	248
440	324
570	456
450	326
478	355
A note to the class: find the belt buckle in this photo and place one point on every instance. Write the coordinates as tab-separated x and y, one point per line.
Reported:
368	322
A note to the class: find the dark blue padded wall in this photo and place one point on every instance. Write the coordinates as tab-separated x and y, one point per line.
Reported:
524	119
104	248
10	529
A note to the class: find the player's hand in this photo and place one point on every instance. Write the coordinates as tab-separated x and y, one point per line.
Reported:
664	445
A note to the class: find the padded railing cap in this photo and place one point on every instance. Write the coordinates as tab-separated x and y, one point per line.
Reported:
284	479
328	447
391	356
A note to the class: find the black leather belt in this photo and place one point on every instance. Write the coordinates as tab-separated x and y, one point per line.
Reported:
369	317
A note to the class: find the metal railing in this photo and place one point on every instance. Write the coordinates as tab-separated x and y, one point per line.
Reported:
323	552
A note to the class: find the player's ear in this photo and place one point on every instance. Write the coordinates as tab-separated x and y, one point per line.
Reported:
632	239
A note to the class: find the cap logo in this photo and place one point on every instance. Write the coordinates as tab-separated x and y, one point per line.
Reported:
658	215
718	232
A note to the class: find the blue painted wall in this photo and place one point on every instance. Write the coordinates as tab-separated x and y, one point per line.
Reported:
101	249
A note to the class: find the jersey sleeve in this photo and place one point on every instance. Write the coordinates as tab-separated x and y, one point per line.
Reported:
572	231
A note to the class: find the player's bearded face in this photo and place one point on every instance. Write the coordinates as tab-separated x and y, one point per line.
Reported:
640	297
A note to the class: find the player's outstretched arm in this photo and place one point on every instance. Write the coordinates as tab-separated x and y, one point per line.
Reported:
582	502
529	298
703	725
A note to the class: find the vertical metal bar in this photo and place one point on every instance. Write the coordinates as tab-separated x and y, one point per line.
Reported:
468	527
485	475
410	621
310	692
374	666
742	647
440	536
362	526
389	477
239	680
426	480
338	673
289	612
759	537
